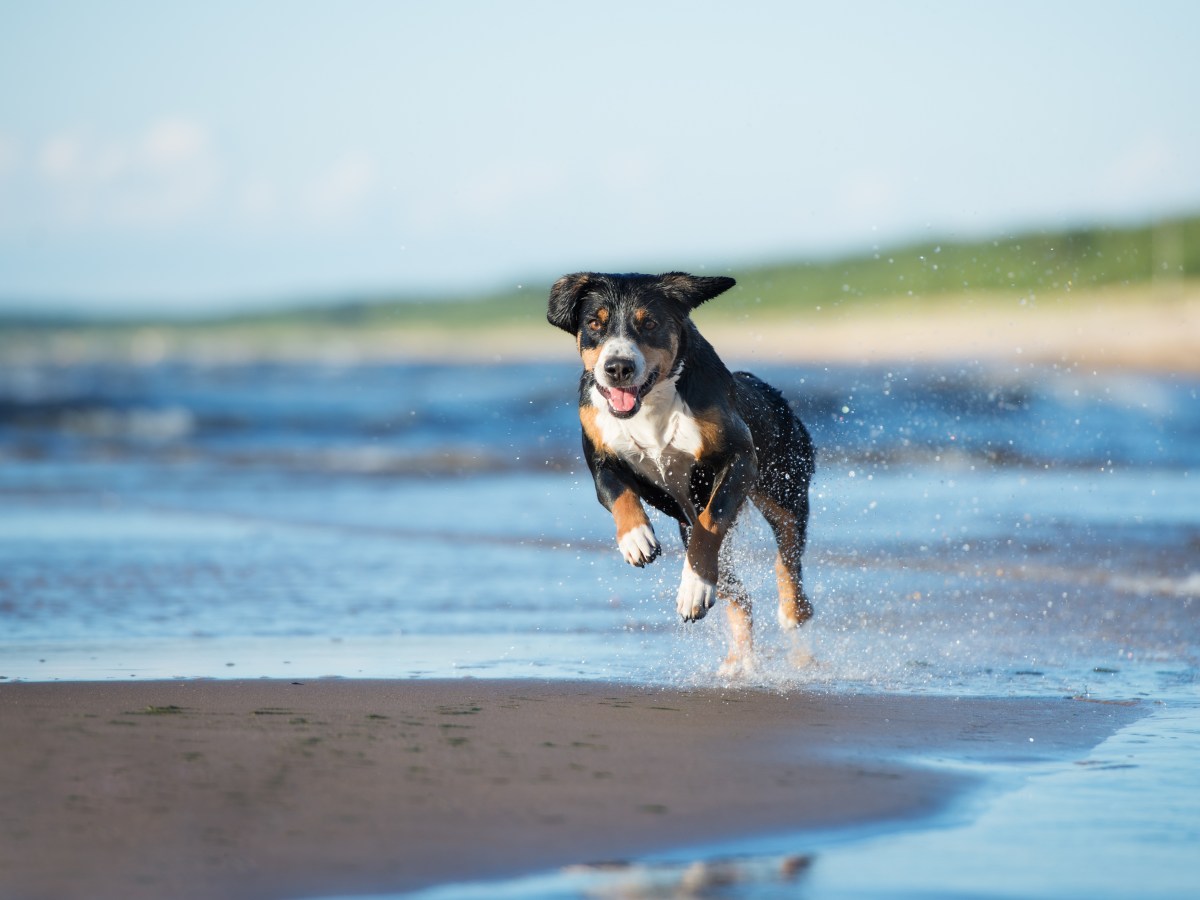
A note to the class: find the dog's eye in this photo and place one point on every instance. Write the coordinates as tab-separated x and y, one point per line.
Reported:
649	324
594	324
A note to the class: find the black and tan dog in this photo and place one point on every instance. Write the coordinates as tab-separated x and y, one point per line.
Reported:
666	422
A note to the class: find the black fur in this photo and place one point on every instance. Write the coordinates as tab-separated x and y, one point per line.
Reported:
765	453
684	291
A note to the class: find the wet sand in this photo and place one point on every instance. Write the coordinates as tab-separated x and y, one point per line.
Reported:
263	789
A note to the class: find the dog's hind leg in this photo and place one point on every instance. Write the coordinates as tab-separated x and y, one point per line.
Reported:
738	612
789	526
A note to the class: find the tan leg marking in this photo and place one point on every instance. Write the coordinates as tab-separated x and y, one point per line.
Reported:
741	632
635	534
794	608
628	513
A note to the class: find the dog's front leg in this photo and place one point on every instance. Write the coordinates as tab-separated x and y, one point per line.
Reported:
698	586
635	534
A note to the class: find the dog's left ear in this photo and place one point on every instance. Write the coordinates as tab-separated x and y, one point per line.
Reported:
693	289
563	308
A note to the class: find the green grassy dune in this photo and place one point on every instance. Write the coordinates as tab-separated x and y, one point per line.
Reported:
1029	264
1025	264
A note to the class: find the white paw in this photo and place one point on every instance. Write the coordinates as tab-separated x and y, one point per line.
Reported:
639	546
696	595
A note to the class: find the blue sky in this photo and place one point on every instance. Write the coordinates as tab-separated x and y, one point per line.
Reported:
221	155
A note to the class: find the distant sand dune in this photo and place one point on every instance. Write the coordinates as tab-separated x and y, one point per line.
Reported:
1150	328
1135	328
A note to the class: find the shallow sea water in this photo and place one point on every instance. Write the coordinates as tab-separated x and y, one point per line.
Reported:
1123	821
972	531
975	531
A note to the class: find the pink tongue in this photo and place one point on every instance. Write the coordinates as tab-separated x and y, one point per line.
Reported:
622	399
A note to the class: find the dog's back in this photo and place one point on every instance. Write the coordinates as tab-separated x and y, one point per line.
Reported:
785	450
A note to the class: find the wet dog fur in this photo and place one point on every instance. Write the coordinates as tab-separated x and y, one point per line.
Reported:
666	423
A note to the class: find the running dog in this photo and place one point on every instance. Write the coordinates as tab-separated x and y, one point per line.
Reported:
665	422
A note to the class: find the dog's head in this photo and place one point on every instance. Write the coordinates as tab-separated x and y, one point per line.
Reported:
628	327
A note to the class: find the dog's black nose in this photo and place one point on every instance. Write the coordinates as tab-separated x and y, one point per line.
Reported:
619	370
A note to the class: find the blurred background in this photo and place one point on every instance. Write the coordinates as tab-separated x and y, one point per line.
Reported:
274	367
230	157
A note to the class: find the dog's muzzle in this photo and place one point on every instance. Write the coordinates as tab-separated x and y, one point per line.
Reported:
624	402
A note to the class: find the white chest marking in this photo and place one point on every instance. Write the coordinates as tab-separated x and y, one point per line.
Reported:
660	443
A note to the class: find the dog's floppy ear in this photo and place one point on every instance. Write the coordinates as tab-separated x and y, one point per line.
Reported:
563	309
695	289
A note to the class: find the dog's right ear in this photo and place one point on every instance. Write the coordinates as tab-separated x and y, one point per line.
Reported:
694	289
563	309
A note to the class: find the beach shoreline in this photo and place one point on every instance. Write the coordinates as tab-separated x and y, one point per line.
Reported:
1153	329
265	789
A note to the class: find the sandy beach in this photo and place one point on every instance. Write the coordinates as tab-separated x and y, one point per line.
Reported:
1141	329
265	789
1144	329
1152	328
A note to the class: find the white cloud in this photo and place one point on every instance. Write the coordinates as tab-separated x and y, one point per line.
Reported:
166	175
504	189
340	192
175	174
174	142
59	159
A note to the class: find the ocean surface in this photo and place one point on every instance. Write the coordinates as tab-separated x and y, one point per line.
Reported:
1030	531
974	529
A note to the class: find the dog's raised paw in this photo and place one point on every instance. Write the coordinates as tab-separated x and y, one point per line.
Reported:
639	546
696	595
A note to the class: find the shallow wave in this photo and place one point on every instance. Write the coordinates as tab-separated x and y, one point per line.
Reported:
407	419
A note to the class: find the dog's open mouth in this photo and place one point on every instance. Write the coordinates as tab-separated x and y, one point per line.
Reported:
624	402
